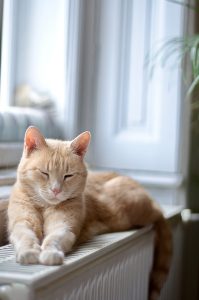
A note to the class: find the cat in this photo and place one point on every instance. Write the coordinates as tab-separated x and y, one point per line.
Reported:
56	204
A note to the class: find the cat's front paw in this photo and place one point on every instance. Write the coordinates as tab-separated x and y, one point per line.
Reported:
51	257
28	256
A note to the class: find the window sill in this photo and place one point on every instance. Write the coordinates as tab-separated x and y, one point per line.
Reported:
170	211
7	179
7	176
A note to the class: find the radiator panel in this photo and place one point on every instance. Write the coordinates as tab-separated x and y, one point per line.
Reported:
113	266
115	277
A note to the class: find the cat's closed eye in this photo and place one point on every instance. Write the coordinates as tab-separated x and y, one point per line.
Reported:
67	176
44	173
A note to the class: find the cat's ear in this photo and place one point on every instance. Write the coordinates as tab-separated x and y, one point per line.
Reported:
33	140
80	144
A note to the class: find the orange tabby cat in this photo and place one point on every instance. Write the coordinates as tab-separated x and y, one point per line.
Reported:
55	204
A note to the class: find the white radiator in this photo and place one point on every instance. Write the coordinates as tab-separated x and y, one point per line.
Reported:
112	266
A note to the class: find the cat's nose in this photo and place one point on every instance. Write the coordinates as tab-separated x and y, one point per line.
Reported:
56	191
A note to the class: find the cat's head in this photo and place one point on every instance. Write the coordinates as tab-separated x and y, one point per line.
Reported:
52	171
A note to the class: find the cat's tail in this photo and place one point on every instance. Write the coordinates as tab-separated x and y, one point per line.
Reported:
162	257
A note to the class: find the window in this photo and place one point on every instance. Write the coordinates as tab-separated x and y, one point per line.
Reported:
87	58
33	72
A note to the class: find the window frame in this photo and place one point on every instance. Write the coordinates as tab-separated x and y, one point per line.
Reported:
8	52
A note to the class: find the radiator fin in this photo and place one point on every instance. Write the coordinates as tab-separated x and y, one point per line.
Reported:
29	273
123	275
110	267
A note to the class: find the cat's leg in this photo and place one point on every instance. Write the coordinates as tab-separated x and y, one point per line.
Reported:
59	239
25	229
26	243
